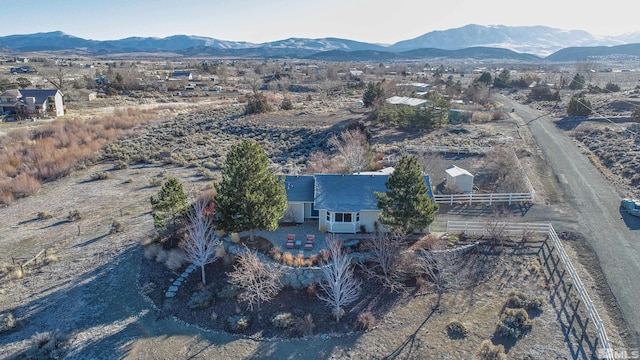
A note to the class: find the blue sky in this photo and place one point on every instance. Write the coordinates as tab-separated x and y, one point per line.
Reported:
268	20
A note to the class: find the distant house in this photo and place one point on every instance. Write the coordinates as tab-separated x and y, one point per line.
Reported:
182	75
32	102
405	100
341	203
459	178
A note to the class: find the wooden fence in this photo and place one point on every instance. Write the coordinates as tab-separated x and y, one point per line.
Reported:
470	227
490	199
448	149
34	259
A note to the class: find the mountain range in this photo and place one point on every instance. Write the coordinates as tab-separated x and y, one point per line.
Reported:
524	43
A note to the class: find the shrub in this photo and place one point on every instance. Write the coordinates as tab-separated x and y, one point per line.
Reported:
611	87
286	104
257	104
175	259
120	164
304	326
44	215
457	330
288	258
7	322
237	323
201	300
312	289
151	251
299	261
46	345
283	320
103	175
518	299
74	215
228	291
514	324
365	321
155	182
488	351
116	227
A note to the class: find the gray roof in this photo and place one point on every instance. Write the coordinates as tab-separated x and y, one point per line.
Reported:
299	188
180	73
40	95
351	193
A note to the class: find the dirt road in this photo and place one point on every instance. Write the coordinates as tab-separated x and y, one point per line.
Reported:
593	203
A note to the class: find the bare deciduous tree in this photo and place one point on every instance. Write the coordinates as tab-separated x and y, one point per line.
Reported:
258	280
503	167
340	286
446	270
382	264
202	244
319	163
56	76
353	147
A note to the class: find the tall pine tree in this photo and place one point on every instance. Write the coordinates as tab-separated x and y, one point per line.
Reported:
406	206
250	196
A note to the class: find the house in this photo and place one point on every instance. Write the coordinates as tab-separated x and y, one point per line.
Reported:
405	100
32	102
182	75
341	203
459	178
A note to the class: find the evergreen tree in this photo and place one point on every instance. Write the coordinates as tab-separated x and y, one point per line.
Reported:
579	106
170	204
577	83
406	206
250	196
485	78
502	80
373	95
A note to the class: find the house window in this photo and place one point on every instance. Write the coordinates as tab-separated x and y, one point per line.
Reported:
344	217
328	216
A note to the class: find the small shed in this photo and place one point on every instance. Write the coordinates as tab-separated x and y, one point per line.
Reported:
87	95
459	178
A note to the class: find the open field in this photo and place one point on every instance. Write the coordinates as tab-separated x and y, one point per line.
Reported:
93	288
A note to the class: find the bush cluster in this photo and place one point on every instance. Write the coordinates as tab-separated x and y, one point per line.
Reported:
238	323
283	320
457	330
201	300
520	300
488	351
514	323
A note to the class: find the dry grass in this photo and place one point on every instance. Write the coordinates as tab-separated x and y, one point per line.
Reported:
48	152
175	259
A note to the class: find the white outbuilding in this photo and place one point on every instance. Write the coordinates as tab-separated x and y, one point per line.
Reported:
459	178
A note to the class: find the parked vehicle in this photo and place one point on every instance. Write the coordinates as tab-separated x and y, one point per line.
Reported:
632	206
